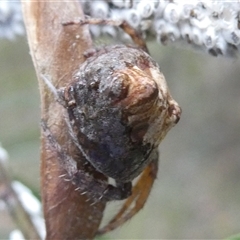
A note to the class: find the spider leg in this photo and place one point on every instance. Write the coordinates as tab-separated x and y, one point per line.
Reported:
140	193
85	183
133	33
56	92
73	136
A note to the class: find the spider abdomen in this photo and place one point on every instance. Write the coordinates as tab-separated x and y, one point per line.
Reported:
120	111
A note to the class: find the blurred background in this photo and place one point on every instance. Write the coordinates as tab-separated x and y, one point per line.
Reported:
196	195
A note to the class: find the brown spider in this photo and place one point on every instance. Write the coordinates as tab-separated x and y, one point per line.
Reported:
118	109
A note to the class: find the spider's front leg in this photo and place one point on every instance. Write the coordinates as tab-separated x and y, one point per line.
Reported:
140	194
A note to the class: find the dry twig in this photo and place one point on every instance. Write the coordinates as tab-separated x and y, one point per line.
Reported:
57	52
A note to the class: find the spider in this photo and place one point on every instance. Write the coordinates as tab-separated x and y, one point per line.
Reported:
117	109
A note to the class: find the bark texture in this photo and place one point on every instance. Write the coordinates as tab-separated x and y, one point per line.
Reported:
57	52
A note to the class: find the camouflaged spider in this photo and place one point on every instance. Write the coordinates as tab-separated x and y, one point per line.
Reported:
118	109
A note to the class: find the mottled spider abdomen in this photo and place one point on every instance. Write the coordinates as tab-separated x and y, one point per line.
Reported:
120	109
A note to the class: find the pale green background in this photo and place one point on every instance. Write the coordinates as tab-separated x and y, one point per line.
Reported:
197	193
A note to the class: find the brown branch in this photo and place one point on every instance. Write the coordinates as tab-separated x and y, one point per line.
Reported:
57	52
